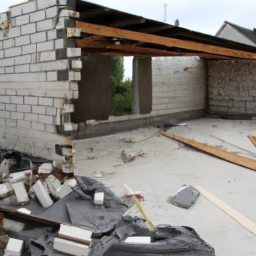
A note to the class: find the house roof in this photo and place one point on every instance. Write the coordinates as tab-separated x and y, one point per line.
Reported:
249	33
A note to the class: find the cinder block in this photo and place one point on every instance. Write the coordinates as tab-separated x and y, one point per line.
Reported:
23	124
24	108
5	99
2	106
55	94
17	99
10	123
31	100
22	69
4	114
45	25
52	34
51	111
9	70
251	104
11	107
45	46
45	119
239	104
74	76
64	22
37	16
68	53
2	92
52	76
1	45
17	115
14	32
65	43
28	29
34	57
45	101
22	40
38	93
21	20
69	4
10	92
2	70
38	110
38	126
12	52
38	37
66	75
49	66
6	62
58	103
75	94
8	43
31	117
43	4
1	54
76	64
28	49
25	59
2	121
16	11
52	12
22	92
29	7
68	32
47	56
50	128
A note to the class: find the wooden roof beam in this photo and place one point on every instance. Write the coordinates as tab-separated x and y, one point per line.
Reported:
159	40
93	13
124	23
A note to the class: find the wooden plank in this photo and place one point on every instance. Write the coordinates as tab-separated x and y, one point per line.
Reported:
241	219
159	40
253	139
230	157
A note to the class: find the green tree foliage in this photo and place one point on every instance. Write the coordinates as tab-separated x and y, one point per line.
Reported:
121	90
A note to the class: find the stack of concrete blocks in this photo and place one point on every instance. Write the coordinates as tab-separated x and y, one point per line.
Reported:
39	73
232	86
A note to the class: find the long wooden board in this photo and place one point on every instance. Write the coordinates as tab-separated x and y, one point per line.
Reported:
160	40
253	139
230	157
240	218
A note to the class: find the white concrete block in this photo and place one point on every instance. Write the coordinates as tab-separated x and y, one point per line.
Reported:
23	77
99	199
17	115
70	127
45	168
38	93
54	181
5	99
38	126
57	103
28	29
5	189
52	76
62	22
34	57
17	100
22	68
31	117
9	43
29	7
73	52
64	191
45	25
43	4
14	32
1	54
76	64
12	225
45	46
138	240
2	121
37	16
14	247
74	86
22	92
21	20
42	195
25	59
11	123
22	40
24	108
1	45
70	247
12	52
38	110
31	100
38	37
70	182
68	108
49	66
2	91
21	193
4	114
20	176
28	49
2	107
74	233
23	124
46	101
10	92
47	56
45	119
6	62
51	111
16	11
50	128
69	13
9	70
74	76
58	117
51	34
11	107
52	12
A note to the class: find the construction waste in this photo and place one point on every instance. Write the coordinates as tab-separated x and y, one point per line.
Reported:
46	210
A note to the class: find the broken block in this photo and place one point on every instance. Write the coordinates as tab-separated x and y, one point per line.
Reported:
42	194
75	233
20	176
99	199
45	168
21	193
138	240
64	191
5	190
70	247
14	247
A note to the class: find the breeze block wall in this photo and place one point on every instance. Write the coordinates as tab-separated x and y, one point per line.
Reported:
232	86
39	73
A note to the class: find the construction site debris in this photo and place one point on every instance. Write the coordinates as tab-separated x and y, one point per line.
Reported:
185	197
21	193
45	168
42	194
99	199
14	247
130	156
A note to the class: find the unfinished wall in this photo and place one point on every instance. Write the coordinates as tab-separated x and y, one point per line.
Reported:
39	70
179	84
232	86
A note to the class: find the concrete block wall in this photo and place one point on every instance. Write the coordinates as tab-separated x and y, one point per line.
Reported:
39	72
232	86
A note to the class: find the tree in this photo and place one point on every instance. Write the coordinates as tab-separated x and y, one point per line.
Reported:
117	76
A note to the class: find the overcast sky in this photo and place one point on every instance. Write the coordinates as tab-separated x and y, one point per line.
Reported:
205	16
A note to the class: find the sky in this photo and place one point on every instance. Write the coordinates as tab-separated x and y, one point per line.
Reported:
204	16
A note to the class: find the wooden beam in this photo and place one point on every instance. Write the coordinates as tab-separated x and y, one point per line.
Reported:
94	13
124	23
253	139
153	39
153	29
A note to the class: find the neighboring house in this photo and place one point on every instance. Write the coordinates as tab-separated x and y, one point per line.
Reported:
237	33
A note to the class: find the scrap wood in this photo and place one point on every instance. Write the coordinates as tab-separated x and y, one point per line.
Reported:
235	146
253	139
248	224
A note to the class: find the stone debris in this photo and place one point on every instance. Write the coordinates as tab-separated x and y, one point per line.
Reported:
130	156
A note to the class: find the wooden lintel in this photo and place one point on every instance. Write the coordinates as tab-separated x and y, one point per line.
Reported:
160	40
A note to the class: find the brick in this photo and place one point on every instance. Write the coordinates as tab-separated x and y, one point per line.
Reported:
38	126
28	29
31	100
52	76
2	91
22	40
43	4
9	70
51	12
69	4
10	92
17	99
25	59
7	62
23	124
45	119
63	22
49	66
4	114
47	56
58	117
24	108
12	52
252	92
45	46
55	94
251	104
1	54
38	37
68	32
9	43
5	99
34	57
29	7
2	106
239	104
52	34
65	43
28	49
2	70
14	32
2	121
31	117
68	53
45	25
10	123
50	128
76	64
22	93
21	20
17	115
51	111
16	11
46	101
22	69
58	103
38	110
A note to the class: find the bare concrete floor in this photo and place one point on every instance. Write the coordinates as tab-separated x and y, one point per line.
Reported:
166	166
